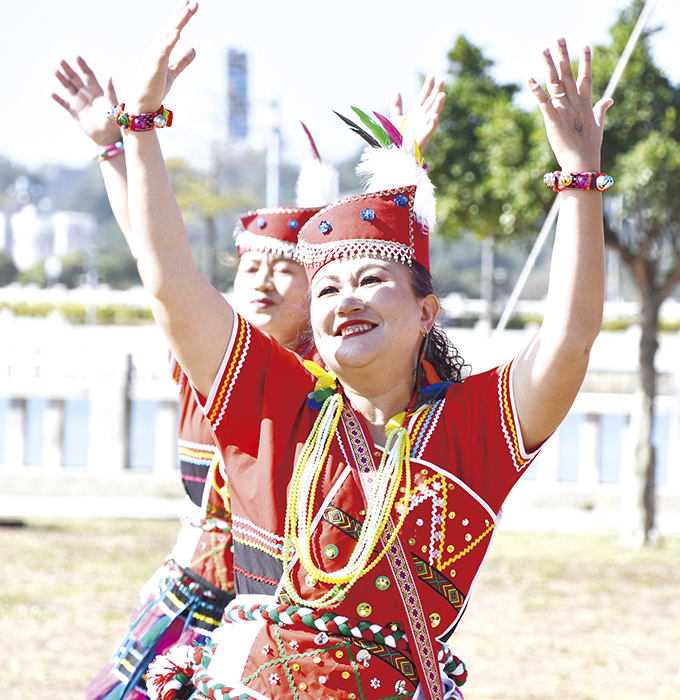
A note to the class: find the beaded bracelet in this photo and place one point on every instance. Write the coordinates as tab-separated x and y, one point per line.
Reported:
140	122
108	152
582	181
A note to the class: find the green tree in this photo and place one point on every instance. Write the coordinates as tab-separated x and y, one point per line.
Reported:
115	265
486	160
486	156
642	149
73	271
200	197
8	270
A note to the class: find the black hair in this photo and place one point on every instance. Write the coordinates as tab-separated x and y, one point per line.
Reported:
440	352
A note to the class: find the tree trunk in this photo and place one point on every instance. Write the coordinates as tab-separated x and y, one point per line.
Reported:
639	494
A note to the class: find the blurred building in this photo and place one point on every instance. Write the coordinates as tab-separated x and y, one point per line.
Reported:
30	235
237	93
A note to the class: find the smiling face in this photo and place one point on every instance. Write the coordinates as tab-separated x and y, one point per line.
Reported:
365	316
271	292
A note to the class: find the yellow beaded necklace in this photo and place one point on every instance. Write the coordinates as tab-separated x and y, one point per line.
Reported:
394	464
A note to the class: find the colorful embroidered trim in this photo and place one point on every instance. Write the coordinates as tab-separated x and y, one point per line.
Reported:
238	355
423	640
255	577
196	453
508	422
247	533
425	426
439	583
247	241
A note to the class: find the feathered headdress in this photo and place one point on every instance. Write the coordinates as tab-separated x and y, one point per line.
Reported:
392	219
392	159
275	229
318	183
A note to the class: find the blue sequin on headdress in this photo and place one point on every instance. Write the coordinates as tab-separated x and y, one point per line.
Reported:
293	224
401	200
325	227
261	223
368	215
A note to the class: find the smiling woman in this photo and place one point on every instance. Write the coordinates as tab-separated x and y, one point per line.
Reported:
365	315
365	494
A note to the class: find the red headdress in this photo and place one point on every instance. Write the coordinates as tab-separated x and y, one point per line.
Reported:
275	229
391	220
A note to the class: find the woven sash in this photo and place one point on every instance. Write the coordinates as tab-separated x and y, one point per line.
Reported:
423	644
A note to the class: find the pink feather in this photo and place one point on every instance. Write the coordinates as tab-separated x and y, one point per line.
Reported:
315	151
391	130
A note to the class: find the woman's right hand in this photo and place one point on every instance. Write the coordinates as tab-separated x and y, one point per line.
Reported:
89	102
156	74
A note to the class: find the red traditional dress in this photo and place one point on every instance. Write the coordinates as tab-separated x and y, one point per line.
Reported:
185	599
386	634
183	602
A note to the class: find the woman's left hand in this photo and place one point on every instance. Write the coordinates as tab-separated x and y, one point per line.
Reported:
573	124
156	74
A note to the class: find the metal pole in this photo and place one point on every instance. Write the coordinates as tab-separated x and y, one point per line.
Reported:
273	156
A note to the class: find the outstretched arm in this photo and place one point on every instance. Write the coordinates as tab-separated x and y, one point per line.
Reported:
550	370
424	112
88	104
194	316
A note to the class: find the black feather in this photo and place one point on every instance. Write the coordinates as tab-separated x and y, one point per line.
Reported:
358	130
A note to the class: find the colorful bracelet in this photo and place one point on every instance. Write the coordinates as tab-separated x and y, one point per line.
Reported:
578	181
140	122
110	151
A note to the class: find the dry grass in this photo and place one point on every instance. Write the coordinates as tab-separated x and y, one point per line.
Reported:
551	616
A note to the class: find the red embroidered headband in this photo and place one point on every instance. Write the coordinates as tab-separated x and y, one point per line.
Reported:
273	230
376	224
391	220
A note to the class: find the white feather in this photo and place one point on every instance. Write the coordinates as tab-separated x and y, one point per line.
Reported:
389	168
318	184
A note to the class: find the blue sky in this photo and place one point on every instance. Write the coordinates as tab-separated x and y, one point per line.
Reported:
311	56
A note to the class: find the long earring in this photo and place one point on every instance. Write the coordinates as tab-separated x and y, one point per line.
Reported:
426	344
429	372
418	373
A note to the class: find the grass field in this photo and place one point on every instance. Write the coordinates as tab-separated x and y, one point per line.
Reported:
551	617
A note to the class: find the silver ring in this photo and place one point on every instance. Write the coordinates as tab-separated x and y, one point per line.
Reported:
559	94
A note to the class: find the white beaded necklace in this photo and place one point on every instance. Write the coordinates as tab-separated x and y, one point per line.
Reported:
394	464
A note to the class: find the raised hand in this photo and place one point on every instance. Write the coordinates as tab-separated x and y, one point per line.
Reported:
88	102
424	112
574	126
156	74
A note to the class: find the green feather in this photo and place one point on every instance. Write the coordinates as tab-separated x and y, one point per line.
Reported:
375	128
